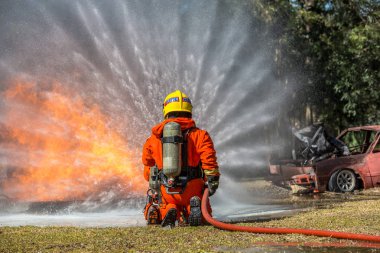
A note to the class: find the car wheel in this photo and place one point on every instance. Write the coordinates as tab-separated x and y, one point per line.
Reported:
332	183
345	181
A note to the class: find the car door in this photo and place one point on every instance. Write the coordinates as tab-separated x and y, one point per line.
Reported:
373	162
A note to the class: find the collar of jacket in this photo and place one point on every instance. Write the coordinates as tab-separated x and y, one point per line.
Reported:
185	123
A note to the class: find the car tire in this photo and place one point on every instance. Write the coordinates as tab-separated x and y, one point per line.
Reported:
343	181
332	186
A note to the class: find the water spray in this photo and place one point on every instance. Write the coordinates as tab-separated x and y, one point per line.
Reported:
124	56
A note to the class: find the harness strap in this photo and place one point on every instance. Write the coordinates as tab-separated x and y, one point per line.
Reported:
172	139
184	151
186	175
191	172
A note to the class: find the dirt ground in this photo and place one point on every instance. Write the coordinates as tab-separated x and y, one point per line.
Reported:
263	190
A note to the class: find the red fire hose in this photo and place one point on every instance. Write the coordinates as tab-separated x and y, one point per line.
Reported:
322	233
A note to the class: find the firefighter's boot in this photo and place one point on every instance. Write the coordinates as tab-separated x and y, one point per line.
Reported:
153	217
170	218
195	217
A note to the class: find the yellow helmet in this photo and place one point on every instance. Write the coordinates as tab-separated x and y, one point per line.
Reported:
177	101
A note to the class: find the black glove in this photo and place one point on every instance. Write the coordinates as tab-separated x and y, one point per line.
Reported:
212	184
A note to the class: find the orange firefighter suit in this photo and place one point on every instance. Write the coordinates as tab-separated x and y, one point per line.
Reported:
200	149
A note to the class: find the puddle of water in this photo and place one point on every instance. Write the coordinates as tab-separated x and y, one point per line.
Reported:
126	218
76	214
249	213
116	214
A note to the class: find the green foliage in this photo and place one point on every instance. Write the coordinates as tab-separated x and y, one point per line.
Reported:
333	47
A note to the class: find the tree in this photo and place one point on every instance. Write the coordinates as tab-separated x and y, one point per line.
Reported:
333	48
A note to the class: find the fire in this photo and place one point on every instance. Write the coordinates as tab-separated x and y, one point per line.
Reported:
58	147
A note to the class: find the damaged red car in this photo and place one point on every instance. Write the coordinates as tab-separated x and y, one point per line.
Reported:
349	162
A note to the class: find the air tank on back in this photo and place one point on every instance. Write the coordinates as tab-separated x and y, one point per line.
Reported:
154	180
171	150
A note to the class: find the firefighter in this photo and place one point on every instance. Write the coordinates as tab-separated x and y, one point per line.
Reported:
178	197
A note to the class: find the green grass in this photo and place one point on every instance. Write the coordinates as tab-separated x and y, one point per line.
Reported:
356	217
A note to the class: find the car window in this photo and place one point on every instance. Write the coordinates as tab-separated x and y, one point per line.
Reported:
372	136
358	141
377	147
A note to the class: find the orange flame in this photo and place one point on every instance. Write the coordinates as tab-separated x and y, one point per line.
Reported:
60	148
